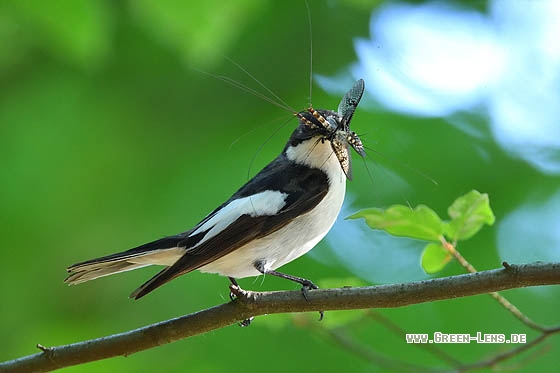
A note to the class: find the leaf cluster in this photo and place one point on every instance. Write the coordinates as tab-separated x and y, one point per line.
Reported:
468	214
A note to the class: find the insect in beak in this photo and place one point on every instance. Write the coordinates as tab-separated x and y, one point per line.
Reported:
336	126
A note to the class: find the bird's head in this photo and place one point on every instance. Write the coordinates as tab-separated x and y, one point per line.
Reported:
327	126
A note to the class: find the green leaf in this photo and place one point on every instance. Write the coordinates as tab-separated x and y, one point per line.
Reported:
468	213
434	258
421	223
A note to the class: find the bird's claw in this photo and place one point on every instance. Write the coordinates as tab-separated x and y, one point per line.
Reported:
246	322
308	285
235	291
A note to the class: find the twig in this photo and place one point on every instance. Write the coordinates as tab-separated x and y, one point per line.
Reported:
493	361
255	304
346	341
451	248
397	330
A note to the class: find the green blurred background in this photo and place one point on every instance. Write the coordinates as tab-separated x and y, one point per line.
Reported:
111	136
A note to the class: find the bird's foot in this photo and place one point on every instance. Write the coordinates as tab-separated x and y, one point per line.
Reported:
306	286
235	292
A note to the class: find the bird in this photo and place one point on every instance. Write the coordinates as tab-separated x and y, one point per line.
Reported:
277	216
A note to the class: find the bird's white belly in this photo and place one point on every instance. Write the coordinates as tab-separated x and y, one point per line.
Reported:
288	243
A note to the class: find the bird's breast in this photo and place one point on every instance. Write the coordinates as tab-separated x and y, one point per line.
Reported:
298	236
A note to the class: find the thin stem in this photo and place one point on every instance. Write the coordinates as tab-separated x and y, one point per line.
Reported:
493	361
451	248
398	331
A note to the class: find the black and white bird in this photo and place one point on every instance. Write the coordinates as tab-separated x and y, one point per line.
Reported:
279	215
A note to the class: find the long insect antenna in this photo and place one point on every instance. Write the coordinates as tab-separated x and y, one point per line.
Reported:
402	164
256	93
280	103
310	53
261	147
256	127
243	87
370	176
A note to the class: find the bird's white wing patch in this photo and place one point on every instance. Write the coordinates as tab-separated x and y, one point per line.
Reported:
266	203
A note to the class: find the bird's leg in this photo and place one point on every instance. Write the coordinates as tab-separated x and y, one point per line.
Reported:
234	291
234	288
306	284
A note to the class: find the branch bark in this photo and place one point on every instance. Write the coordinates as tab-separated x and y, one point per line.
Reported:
251	304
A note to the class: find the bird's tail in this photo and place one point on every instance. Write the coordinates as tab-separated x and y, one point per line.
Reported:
161	252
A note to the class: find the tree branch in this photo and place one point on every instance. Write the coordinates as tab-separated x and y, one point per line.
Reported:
250	304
